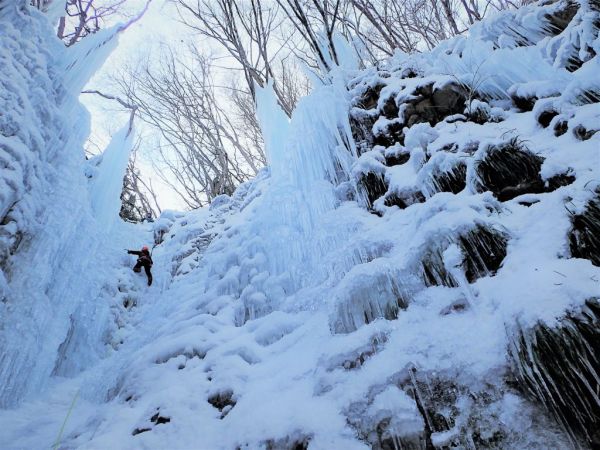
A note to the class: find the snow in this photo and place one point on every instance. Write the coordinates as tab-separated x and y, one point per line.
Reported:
419	136
288	312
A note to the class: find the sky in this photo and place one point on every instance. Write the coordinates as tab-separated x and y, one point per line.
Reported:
159	24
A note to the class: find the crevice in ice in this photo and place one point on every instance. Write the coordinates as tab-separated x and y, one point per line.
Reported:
427	397
159	420
484	250
559	19
361	125
426	410
525	102
388	132
546	116
129	302
388	419
561	126
384	437
390	109
403	199
583	133
374	185
396	158
358	356
369	98
447	179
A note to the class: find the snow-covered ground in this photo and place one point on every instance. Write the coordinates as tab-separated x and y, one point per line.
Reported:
389	282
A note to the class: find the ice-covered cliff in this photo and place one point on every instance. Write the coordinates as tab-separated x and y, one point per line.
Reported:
54	258
418	268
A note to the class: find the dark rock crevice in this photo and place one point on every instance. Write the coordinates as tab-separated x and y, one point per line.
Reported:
510	169
454	180
584	237
560	367
223	401
156	419
404	199
374	186
484	250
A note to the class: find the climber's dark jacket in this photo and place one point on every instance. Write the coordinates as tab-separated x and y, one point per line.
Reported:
145	261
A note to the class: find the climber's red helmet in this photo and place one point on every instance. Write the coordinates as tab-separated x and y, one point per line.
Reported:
145	248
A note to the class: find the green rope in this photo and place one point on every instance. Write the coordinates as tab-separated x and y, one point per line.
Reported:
62	428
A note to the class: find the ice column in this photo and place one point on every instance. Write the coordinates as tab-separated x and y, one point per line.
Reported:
106	188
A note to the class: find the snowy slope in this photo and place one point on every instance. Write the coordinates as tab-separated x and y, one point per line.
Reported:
418	268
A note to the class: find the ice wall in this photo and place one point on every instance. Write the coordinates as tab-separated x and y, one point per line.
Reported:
50	245
309	158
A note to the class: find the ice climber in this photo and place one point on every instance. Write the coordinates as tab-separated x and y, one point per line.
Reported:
144	260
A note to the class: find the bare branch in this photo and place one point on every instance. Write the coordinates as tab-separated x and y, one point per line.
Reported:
132	107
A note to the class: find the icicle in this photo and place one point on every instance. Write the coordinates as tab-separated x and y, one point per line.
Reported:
309	157
453	261
561	368
106	187
274	125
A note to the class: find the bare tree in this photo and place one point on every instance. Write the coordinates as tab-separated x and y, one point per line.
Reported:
138	197
132	107
200	152
85	17
245	30
243	118
293	86
413	25
315	20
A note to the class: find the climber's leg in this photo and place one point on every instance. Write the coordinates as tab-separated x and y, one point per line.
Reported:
148	274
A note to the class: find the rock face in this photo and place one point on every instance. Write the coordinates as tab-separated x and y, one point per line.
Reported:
428	104
434	104
453	180
484	250
553	363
